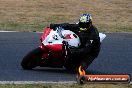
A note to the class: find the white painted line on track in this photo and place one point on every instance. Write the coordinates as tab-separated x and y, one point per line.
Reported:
39	82
100	32
38	32
8	31
35	82
117	32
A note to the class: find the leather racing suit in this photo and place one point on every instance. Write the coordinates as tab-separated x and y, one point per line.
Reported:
90	44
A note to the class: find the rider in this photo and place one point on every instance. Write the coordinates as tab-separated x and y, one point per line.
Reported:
89	37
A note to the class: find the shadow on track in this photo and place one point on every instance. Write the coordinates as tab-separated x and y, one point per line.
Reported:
64	71
52	70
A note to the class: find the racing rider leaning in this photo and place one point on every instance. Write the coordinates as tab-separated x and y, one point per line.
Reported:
90	41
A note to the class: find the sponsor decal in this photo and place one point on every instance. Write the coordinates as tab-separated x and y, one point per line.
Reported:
108	78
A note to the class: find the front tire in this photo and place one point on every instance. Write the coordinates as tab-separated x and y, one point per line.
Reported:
32	59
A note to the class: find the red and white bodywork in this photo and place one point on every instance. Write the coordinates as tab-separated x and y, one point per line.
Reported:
53	51
53	44
53	41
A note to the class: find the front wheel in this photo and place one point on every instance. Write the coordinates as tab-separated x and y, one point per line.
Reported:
32	59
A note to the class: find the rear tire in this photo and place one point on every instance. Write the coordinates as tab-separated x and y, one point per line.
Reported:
32	59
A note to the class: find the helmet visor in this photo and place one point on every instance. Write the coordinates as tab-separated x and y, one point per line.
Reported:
84	25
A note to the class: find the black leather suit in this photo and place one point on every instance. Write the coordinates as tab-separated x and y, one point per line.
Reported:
90	44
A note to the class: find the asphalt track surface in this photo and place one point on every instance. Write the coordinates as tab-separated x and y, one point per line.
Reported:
115	58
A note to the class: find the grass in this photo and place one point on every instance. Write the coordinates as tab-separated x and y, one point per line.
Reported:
67	86
34	15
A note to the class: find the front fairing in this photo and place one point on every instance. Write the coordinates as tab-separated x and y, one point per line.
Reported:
53	41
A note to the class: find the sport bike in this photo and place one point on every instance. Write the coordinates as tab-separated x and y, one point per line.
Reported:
54	49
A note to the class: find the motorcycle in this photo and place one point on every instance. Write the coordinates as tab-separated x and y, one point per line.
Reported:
54	49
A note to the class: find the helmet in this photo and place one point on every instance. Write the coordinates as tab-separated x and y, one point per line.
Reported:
85	21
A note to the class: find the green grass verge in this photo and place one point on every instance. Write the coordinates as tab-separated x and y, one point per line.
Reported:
12	26
34	15
66	86
32	26
117	28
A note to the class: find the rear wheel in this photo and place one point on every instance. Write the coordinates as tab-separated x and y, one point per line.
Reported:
32	59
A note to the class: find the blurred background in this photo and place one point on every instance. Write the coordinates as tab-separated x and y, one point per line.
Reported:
34	15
